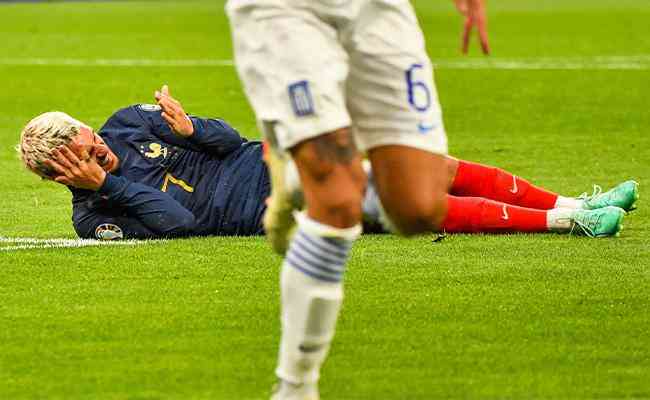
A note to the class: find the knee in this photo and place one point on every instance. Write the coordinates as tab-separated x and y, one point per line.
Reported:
422	215
451	164
342	195
332	177
344	209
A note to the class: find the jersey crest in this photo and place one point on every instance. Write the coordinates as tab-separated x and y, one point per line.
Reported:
154	150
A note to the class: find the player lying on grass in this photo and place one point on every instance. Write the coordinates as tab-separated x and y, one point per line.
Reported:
152	171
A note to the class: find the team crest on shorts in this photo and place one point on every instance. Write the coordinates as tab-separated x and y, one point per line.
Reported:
301	100
149	107
109	232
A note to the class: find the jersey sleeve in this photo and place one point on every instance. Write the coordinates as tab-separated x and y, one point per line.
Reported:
213	136
129	210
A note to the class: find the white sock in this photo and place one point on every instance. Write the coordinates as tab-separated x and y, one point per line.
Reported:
560	219
312	293
569	202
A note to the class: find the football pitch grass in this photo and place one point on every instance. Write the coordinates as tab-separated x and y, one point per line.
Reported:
563	102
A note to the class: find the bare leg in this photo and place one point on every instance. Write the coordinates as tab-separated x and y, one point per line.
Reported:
452	170
312	274
412	185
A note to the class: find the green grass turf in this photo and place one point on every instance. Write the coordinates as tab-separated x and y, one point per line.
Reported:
517	316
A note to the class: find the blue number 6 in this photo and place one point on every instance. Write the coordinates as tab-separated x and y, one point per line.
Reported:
415	85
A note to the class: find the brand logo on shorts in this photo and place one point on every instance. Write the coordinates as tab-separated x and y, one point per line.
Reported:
425	128
109	232
301	100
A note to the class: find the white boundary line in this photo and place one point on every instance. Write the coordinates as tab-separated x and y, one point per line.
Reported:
598	63
105	62
637	62
35	243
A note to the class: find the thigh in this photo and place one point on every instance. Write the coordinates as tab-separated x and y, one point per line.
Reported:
292	67
391	93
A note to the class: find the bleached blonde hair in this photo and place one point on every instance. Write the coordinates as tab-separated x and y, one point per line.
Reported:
42	135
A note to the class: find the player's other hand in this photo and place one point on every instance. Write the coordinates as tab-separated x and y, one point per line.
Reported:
475	16
173	113
78	168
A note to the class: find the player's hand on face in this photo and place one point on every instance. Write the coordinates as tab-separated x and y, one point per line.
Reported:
76	168
475	16
173	113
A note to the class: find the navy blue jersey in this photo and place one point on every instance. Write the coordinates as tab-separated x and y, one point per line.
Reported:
212	183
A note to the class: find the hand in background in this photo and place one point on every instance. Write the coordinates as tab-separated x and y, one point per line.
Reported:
475	16
173	113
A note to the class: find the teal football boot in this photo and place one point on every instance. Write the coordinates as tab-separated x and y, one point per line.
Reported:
623	196
602	222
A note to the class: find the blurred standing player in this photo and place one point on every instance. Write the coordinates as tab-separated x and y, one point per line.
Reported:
329	79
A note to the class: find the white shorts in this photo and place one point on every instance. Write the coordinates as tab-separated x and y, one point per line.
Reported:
313	66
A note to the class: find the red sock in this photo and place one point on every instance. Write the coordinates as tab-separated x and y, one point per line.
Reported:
479	215
477	180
